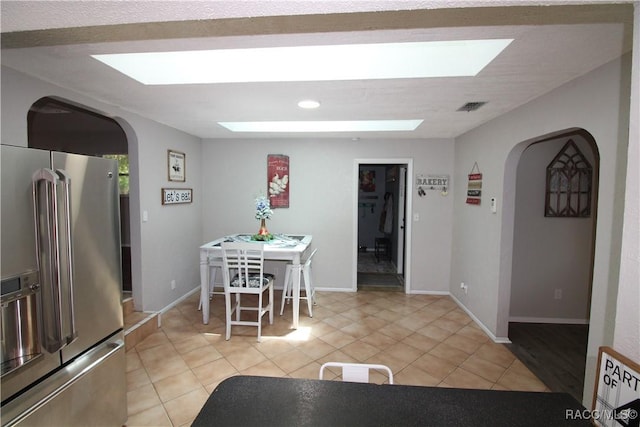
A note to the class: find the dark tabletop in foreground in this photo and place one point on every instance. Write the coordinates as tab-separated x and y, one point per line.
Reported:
268	401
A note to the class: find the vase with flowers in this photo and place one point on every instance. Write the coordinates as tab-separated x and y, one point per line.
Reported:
263	212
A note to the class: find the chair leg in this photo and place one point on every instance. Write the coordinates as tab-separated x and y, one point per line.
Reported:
227	299
271	304
285	288
307	288
260	316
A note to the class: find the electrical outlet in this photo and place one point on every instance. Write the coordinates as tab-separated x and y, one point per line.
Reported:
173	284
464	287
557	294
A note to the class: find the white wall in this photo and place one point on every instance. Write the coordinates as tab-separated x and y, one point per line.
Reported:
549	253
322	182
482	243
166	246
627	324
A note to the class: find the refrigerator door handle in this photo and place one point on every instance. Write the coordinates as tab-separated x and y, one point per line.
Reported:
70	332
47	230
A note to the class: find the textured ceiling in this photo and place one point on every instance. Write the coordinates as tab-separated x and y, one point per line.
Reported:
552	46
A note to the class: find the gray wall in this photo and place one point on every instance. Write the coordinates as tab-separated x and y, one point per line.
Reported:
323	200
483	242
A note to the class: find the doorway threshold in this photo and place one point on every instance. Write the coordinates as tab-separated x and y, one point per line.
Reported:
380	282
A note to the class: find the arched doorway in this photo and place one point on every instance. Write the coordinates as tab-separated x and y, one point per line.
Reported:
58	125
551	265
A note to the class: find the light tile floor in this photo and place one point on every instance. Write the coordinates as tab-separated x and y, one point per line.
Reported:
425	340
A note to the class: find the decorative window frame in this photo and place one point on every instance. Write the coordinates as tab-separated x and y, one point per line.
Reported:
569	184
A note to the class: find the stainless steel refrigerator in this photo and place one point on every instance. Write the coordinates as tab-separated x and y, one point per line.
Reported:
62	342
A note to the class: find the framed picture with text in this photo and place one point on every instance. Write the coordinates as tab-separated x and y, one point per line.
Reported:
173	196
278	180
177	166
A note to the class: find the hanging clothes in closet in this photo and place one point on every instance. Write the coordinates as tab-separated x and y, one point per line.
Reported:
386	216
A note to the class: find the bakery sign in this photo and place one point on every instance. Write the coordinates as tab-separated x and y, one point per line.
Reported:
432	182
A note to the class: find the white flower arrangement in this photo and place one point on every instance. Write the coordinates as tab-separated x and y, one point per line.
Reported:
263	208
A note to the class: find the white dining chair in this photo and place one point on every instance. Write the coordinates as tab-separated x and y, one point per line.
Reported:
287	290
243	273
356	372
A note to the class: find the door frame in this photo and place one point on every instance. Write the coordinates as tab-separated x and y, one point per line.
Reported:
408	162
402	218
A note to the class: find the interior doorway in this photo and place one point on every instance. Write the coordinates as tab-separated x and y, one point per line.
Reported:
552	258
381	226
61	126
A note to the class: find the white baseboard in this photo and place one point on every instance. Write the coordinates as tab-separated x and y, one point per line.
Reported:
549	320
324	289
176	302
498	340
421	292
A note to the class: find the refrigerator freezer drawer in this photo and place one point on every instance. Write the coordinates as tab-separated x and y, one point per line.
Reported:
90	391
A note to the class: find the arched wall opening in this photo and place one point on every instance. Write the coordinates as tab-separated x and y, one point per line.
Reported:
546	269
62	125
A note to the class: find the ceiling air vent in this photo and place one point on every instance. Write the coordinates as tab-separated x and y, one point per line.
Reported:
471	106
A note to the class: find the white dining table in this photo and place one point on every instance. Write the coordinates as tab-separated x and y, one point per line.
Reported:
284	247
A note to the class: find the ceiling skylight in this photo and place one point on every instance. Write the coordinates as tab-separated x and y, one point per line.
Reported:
309	63
323	126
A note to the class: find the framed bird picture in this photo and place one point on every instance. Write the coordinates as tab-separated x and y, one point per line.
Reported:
177	165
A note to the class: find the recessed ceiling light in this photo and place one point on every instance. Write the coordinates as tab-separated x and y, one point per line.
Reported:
309	63
308	104
323	126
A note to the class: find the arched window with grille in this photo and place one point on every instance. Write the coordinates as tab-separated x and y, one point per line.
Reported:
568	189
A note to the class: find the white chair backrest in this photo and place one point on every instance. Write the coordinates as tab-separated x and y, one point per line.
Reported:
307	263
247	259
357	372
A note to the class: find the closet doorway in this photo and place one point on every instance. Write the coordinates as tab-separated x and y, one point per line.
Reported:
381	226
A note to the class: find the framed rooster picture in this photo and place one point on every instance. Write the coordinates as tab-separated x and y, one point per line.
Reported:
278	180
177	166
